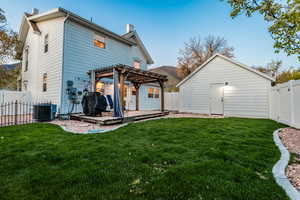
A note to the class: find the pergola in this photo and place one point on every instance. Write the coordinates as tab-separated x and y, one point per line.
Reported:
127	73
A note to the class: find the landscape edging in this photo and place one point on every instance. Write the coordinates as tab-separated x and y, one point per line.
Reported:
279	169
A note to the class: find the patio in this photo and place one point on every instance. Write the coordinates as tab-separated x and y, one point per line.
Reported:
129	116
122	74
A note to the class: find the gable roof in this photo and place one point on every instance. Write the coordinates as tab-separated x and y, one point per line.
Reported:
31	20
229	60
133	35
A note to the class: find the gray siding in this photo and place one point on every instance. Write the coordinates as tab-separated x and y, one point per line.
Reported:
80	56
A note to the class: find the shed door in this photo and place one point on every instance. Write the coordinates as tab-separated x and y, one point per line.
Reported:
216	99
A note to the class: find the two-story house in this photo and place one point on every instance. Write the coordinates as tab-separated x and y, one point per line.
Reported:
60	46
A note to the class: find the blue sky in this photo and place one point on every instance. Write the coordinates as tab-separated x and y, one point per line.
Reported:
164	26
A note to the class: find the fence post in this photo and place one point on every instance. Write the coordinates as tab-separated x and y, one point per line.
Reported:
291	88
16	112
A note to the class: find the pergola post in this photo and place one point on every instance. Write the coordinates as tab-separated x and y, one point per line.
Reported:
162	94
137	95
93	81
122	92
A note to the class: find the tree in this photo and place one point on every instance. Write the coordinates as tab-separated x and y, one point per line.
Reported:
9	77
271	69
8	51
284	19
290	74
274	67
8	41
196	52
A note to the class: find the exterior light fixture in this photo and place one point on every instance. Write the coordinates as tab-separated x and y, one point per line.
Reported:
226	83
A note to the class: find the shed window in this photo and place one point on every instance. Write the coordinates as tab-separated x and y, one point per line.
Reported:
45	82
99	41
46	43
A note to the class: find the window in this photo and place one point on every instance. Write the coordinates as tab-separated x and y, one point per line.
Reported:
26	58
137	64
100	87
153	93
99	41
150	92
45	82
46	43
133	91
156	93
25	84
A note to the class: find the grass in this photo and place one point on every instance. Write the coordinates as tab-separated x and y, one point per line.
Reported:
216	159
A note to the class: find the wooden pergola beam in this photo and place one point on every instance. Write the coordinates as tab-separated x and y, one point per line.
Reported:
105	75
135	76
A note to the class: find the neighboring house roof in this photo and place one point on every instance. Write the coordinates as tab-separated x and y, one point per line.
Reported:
171	72
133	35
229	60
31	20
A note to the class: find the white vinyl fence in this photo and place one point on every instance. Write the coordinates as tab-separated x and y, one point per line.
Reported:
285	103
171	101
12	96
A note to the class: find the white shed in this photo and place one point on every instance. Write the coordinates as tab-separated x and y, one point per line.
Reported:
226	87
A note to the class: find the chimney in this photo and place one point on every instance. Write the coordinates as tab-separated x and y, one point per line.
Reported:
129	28
35	11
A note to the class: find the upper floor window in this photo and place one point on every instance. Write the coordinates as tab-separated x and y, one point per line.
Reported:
45	82
26	53
137	64
25	84
46	43
99	41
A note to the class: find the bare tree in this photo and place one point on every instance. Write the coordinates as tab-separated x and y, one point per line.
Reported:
272	68
196	52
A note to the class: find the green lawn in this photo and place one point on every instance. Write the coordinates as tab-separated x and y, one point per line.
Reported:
216	159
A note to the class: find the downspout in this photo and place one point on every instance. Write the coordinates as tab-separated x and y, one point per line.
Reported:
62	66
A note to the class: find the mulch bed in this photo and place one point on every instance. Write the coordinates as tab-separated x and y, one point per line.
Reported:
291	139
